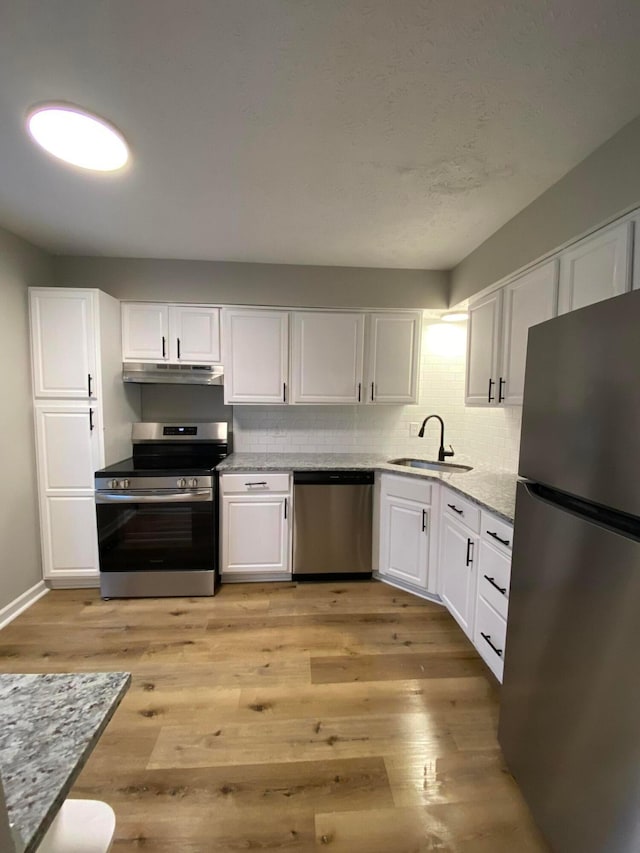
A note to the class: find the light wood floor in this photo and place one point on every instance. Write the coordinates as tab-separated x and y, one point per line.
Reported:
347	717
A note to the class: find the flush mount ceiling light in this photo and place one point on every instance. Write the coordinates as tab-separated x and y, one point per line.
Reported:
78	137
454	316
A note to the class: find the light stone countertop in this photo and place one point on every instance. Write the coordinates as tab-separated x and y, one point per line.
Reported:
49	725
492	490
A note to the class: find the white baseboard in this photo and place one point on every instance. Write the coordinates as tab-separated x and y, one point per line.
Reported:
408	587
21	603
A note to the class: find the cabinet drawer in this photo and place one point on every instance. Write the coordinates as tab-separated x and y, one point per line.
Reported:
254	483
455	506
494	571
496	531
490	636
411	489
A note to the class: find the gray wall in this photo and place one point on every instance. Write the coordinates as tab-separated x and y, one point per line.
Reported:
21	265
604	185
184	402
255	284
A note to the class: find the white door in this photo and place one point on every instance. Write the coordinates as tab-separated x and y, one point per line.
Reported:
145	332
404	541
255	534
63	345
483	342
327	357
393	358
256	356
70	539
457	572
596	268
528	300
69	447
68	453
194	334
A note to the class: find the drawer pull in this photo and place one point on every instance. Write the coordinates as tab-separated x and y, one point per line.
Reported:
495	536
455	509
493	583
487	637
261	483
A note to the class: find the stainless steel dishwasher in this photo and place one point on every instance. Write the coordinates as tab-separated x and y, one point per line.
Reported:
332	520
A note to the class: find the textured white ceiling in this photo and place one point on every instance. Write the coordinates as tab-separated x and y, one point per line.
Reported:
392	133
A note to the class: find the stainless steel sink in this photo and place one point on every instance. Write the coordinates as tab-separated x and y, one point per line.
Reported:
431	466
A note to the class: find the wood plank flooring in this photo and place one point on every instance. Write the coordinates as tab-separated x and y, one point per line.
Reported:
347	717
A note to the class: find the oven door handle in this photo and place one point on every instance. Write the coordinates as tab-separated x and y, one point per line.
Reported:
150	497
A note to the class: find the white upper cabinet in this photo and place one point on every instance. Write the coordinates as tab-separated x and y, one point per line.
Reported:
393	357
528	300
256	356
63	343
145	331
483	350
194	334
185	334
595	268
327	357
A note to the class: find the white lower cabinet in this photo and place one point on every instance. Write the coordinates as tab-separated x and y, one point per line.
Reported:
457	563
490	636
255	527
405	539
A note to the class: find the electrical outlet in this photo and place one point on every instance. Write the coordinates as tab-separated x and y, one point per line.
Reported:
414	429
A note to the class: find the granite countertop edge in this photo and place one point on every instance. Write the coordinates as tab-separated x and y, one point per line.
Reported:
491	490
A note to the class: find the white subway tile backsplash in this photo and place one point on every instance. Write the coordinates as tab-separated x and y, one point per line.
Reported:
483	437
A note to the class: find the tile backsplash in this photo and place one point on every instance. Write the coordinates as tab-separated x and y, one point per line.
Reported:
482	437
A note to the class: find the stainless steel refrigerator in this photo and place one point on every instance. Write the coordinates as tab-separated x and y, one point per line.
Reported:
570	702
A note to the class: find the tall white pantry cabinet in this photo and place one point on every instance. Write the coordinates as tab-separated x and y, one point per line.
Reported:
83	414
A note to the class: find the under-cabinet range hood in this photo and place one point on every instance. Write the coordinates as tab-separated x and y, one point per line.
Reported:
173	374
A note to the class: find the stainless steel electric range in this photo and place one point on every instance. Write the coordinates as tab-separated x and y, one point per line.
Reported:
157	512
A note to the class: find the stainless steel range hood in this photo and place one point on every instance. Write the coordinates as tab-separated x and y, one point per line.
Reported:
173	374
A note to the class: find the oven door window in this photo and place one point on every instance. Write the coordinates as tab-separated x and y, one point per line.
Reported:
156	537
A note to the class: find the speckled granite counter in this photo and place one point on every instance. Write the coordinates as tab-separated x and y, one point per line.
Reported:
48	726
495	491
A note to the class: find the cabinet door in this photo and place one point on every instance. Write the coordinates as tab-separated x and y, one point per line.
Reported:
327	357
483	342
255	534
194	334
528	300
404	546
595	269
63	345
69	450
69	537
458	576
256	356
393	358
145	332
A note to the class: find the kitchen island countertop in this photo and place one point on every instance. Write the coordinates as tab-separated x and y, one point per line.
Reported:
48	726
492	490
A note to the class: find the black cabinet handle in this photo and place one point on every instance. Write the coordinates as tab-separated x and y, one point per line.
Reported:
359	391
90	420
424	520
501	384
490	397
495	536
178	340
373	396
284	392
455	509
493	583
469	547
286	505
89	380
260	483
487	637
164	347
